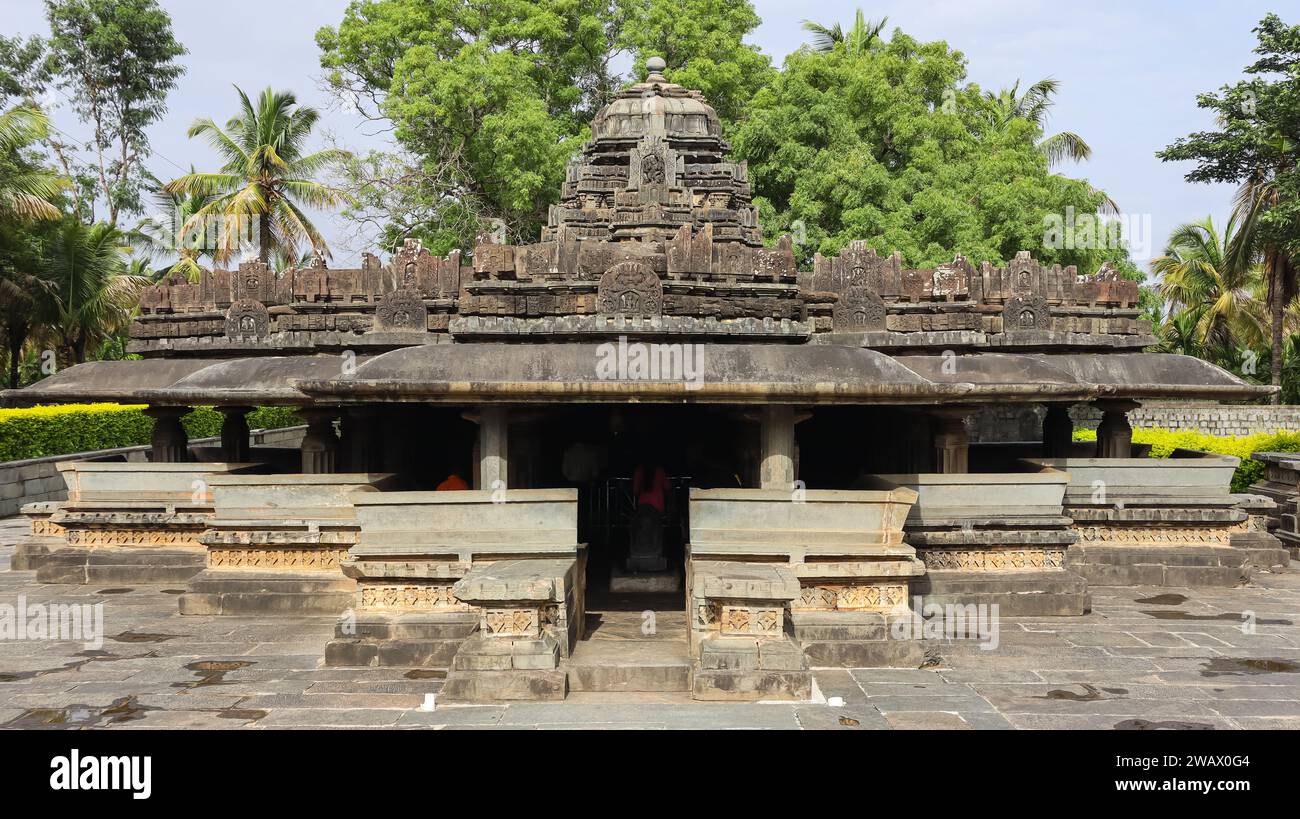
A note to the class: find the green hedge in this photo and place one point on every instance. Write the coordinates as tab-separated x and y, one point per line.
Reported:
1165	441
39	432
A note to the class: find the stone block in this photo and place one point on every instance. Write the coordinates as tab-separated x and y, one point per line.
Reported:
748	686
505	686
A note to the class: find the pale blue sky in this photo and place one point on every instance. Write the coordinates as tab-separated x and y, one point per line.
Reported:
1130	72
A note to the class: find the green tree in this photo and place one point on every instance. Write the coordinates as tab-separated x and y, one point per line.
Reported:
1205	284
702	42
267	176
116	60
887	145
28	192
91	293
1255	146
864	36
490	99
175	233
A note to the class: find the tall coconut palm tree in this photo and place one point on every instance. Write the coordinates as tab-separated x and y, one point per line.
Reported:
27	195
1009	104
173	234
1201	279
93	294
27	191
863	37
267	176
1280	270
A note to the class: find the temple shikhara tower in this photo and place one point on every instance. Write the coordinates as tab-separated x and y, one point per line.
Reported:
646	452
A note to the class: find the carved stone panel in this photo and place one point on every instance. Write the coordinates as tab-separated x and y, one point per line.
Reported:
1026	313
402	310
247	319
630	289
858	310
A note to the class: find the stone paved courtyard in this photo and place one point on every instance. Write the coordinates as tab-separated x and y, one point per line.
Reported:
1145	658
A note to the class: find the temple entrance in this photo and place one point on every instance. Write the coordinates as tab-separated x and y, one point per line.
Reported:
633	467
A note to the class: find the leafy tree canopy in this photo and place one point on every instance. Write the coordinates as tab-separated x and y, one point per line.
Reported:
888	145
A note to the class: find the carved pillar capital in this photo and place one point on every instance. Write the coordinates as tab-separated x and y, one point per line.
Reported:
1114	434
169	442
951	439
320	445
1058	431
235	445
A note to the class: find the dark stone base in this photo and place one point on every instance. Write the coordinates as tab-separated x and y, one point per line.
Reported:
1221	566
216	593
121	565
408	640
1056	593
625	582
30	554
850	639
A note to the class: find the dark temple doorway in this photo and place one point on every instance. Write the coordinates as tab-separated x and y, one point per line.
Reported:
600	449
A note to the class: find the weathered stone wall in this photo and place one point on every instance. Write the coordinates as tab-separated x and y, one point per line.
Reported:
38	479
1018	423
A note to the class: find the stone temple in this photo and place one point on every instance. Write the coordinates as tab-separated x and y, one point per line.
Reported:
647	452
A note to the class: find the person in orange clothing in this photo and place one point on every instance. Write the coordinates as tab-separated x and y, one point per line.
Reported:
452	483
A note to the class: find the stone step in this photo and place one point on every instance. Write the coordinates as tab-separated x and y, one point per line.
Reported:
620	666
122	566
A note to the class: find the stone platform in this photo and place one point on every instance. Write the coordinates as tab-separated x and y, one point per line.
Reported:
1146	658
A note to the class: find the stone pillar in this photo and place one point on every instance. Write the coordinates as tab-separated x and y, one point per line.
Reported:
361	440
776	447
914	438
170	443
235	445
493	438
320	445
1058	431
1114	435
951	441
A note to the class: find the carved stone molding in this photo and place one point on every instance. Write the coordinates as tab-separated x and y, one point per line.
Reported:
277	559
419	596
630	289
402	310
858	309
99	538
759	620
1154	535
1026	313
511	622
851	597
993	560
247	318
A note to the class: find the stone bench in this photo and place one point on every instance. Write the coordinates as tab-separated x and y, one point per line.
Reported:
412	549
1153	521
994	538
276	542
133	522
843	548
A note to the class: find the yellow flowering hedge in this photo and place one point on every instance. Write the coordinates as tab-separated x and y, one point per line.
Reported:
38	432
1165	441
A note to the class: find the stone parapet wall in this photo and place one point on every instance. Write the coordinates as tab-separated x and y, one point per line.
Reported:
38	479
1001	424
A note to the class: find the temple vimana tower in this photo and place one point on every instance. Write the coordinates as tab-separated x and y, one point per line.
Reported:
646	452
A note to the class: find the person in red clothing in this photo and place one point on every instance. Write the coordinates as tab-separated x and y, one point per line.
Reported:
650	486
646	535
452	483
